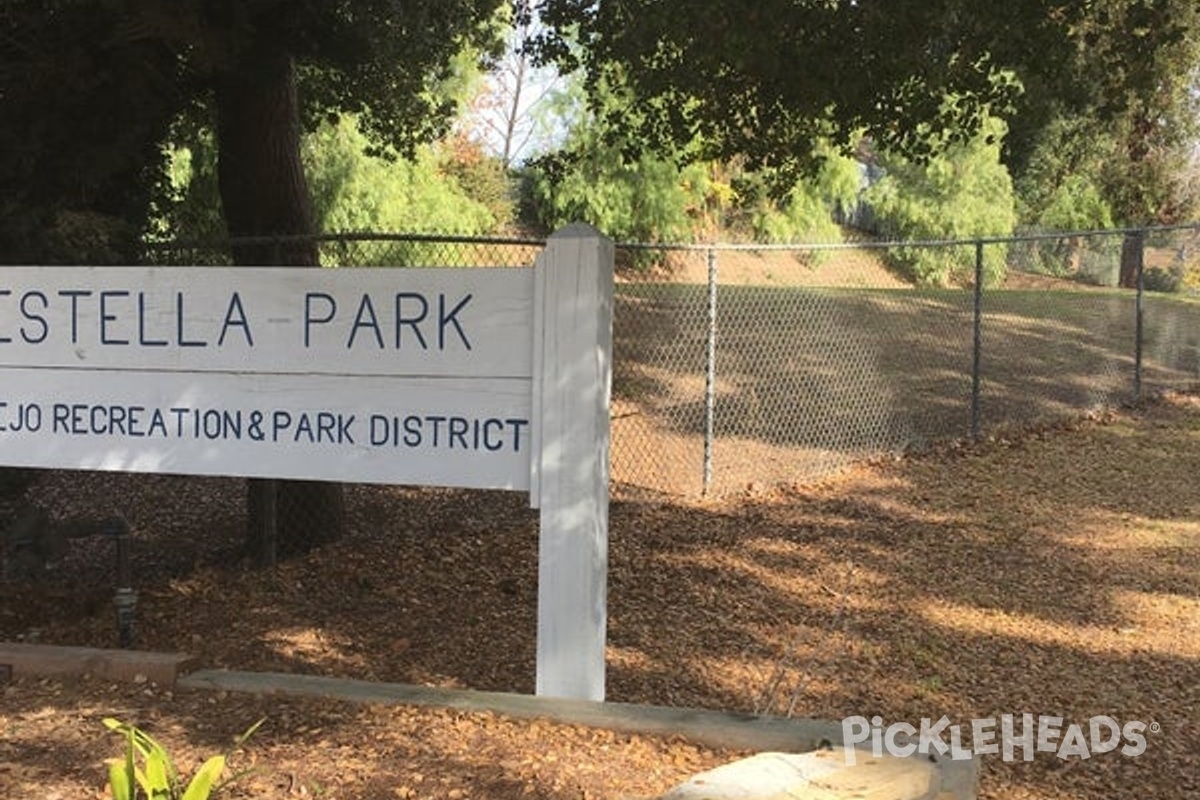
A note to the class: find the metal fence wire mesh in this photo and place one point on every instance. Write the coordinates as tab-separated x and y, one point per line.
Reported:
365	250
742	367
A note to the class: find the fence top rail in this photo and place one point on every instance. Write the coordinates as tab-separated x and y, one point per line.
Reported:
348	236
870	244
885	244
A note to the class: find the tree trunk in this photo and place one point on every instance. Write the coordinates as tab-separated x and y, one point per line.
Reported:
268	212
1131	259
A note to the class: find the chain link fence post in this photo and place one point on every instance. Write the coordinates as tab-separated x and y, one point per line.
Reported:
977	346
1139	243
710	372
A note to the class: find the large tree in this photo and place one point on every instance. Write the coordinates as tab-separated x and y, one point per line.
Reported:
112	74
770	79
1126	134
81	122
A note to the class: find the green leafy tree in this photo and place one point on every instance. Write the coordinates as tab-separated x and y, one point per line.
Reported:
601	177
964	193
100	82
772	79
596	177
355	191
806	212
641	201
352	189
1059	186
1109	134
81	120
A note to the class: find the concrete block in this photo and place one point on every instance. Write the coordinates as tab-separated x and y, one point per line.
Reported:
820	775
31	660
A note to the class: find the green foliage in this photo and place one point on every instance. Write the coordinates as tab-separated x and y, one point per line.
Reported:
1059	189
87	237
354	191
654	200
1058	186
147	772
189	209
598	177
403	71
91	88
482	177
1129	127
80	122
635	195
769	80
643	201
963	194
1075	205
805	212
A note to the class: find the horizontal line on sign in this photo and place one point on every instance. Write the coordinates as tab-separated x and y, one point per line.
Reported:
432	376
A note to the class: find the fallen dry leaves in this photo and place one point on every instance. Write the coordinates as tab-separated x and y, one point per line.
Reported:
1055	572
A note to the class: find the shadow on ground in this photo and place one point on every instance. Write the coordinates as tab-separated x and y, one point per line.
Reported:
1057	573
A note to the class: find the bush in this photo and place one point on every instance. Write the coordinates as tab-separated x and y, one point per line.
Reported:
1076	204
962	194
353	191
1158	279
635	201
806	213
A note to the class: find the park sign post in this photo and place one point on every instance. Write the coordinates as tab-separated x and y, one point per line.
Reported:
491	378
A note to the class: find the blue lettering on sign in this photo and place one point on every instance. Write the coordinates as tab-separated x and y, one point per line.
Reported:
413	321
31	316
106	317
427	431
311	301
365	318
312	427
74	295
21	418
122	318
448	432
179	317
142	340
136	421
235	317
451	318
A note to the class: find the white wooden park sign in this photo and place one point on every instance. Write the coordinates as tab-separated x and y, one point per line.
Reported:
491	378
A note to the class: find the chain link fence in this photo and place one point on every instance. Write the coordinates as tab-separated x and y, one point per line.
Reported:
740	367
779	365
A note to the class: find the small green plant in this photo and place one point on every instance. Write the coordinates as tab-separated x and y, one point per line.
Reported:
156	777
